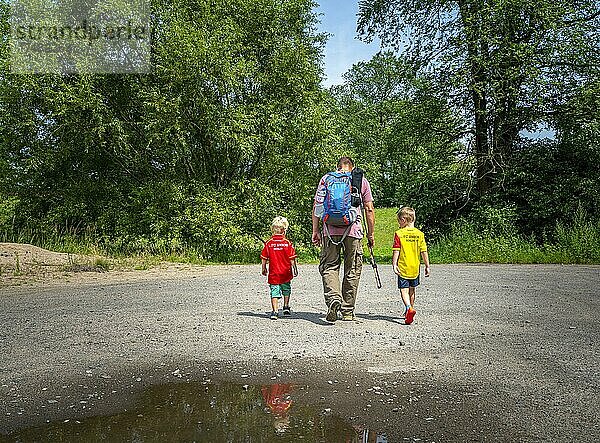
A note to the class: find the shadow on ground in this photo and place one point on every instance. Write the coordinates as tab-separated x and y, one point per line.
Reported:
312	317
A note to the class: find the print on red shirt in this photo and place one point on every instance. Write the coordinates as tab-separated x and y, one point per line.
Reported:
280	252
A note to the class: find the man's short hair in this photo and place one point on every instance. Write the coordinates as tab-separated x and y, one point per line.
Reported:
345	161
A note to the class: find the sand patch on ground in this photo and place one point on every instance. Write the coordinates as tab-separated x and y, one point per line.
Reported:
24	256
23	261
24	264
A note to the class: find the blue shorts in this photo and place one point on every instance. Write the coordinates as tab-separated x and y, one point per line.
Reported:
407	283
277	291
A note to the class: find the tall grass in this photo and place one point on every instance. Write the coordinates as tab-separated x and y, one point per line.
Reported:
577	243
466	245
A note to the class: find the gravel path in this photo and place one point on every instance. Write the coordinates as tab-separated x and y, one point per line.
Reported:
512	350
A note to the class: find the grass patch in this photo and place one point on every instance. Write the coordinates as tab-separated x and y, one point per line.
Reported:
578	243
386	224
465	245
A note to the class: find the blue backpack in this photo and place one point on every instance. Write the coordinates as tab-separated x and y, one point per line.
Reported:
337	206
342	201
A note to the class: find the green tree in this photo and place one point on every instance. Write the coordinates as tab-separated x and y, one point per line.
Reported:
551	180
226	130
509	64
404	135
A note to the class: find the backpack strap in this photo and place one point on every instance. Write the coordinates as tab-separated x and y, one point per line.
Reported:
356	186
346	231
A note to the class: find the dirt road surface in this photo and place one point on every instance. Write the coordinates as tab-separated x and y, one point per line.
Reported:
496	353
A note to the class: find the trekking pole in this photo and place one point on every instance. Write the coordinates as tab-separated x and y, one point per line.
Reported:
372	256
374	265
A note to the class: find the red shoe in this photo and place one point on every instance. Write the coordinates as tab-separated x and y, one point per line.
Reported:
409	316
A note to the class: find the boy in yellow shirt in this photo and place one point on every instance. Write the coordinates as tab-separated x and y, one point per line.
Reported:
409	244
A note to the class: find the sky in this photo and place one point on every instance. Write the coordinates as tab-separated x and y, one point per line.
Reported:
338	17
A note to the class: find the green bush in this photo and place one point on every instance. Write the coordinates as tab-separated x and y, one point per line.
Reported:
8	207
580	241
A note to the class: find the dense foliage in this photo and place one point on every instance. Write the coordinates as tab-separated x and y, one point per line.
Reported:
232	127
201	152
507	67
404	133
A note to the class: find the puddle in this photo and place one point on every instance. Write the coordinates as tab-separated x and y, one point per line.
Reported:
211	413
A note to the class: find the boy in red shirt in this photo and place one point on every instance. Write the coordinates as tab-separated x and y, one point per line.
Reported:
281	255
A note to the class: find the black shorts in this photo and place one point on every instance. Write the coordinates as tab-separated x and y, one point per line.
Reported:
408	283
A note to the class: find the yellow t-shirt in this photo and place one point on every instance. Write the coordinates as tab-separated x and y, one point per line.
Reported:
410	242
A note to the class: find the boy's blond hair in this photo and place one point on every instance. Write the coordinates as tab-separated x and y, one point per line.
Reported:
279	225
407	214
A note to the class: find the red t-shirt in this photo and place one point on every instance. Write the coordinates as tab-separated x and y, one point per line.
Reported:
280	253
277	398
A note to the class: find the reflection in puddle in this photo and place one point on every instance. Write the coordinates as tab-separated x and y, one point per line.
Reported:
278	399
210	413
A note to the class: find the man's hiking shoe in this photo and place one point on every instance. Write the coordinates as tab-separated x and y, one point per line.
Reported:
274	315
287	310
409	316
332	313
348	316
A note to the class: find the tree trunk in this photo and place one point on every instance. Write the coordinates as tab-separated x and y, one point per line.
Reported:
482	146
478	52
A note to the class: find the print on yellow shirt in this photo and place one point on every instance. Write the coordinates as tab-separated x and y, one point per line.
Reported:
410	242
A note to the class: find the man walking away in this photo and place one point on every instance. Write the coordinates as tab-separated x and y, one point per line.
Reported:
338	203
